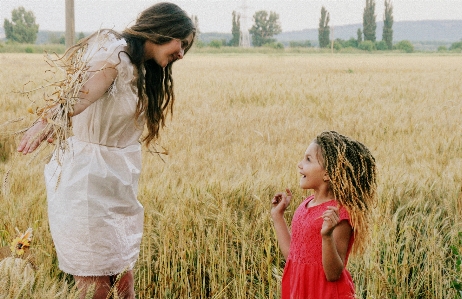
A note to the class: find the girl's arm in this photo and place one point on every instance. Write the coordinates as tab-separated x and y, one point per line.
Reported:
280	203
335	239
101	76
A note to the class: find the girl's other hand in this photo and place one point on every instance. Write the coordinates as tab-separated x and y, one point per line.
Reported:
33	137
280	202
330	220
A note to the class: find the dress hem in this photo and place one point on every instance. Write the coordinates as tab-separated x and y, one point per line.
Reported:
93	274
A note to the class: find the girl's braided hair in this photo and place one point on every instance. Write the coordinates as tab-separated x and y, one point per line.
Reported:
352	172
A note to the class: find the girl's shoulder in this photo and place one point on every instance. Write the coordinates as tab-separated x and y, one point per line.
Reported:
343	212
327	203
309	198
305	202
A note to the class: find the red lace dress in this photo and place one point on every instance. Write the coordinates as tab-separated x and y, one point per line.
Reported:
304	276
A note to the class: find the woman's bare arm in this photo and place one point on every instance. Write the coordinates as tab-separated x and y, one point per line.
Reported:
100	78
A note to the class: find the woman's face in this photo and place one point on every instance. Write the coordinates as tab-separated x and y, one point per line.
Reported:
166	53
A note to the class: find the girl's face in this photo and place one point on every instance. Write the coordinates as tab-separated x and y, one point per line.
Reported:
313	173
166	53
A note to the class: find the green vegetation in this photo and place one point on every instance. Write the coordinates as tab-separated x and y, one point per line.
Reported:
11	47
405	46
456	284
367	45
369	24
382	46
456	47
236	30
216	43
387	35
265	27
300	44
442	49
359	35
22	28
324	29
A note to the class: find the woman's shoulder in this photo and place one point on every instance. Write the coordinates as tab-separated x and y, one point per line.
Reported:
105	45
105	35
105	40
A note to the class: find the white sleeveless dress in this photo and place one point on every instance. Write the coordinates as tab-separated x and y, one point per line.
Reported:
95	218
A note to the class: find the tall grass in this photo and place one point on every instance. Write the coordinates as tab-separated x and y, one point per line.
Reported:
241	123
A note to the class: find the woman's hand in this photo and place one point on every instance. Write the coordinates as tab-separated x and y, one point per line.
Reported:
280	202
33	137
331	219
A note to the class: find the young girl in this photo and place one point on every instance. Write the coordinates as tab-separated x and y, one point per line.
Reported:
95	218
328	224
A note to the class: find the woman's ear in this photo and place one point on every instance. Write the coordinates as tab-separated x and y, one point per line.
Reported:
326	177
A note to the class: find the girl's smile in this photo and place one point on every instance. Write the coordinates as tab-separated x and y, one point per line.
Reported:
311	169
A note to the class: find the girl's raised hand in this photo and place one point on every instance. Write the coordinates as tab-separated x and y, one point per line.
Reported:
280	202
331	219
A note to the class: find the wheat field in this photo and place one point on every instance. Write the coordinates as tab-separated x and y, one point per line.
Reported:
241	123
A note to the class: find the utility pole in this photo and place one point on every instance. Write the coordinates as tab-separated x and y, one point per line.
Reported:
70	24
244	38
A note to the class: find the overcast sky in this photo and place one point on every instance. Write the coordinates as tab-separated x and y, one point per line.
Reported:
216	15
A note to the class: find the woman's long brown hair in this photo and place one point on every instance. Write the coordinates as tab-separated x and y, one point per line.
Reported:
159	24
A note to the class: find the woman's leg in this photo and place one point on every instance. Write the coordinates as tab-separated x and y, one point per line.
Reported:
98	285
125	286
101	285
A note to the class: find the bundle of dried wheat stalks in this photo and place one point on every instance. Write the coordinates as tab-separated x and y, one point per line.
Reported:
54	109
69	73
57	107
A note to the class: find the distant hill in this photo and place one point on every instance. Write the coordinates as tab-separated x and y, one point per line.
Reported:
415	31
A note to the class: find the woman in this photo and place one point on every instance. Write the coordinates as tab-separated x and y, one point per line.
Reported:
95	218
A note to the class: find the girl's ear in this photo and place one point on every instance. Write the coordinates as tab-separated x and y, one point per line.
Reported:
326	177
